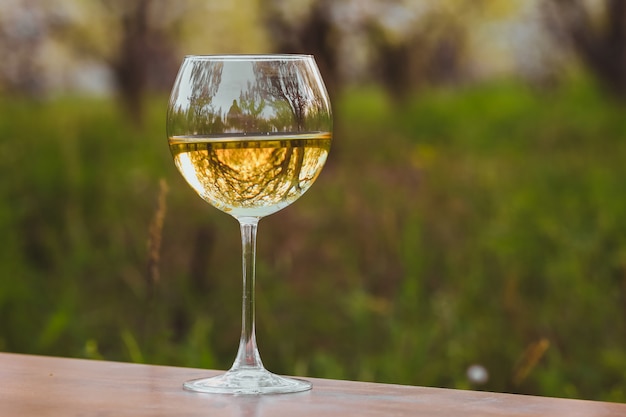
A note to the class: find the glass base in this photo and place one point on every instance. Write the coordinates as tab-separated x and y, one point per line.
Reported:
247	381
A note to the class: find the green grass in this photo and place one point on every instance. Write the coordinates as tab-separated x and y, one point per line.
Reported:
477	226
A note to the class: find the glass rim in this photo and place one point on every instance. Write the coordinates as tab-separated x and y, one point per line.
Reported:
248	57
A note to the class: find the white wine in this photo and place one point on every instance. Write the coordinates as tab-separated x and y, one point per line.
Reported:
246	175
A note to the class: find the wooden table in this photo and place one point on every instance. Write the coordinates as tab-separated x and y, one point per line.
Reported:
44	386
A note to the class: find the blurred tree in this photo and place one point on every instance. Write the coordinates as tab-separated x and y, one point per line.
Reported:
24	29
337	32
312	32
431	52
134	39
597	34
415	44
142	46
128	46
142	55
401	44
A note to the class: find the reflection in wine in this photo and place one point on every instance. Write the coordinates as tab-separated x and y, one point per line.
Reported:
251	175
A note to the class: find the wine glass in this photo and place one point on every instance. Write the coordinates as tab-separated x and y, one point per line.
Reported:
250	134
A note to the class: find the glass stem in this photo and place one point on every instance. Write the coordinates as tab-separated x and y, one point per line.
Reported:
248	354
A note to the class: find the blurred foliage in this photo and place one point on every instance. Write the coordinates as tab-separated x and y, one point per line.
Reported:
596	32
482	226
